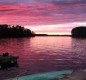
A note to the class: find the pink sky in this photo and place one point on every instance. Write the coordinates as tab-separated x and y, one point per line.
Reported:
44	16
56	28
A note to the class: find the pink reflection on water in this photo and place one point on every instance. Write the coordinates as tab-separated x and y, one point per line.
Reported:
44	54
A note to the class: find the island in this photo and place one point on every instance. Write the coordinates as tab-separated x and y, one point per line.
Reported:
79	32
8	31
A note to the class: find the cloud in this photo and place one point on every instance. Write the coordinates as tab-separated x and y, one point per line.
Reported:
45	15
65	2
42	11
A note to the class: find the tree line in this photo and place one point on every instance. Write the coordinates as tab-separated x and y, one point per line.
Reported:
79	32
14	31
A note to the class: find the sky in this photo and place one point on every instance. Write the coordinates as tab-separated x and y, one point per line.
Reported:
44	16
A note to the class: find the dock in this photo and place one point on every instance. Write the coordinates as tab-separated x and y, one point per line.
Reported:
7	61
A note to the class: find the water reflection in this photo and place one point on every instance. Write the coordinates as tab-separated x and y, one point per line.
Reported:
45	54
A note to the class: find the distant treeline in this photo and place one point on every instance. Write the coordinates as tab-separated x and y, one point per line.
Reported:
14	31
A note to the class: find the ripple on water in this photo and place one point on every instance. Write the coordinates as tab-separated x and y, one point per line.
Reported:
44	54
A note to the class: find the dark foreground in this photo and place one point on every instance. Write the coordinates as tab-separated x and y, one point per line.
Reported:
76	75
58	75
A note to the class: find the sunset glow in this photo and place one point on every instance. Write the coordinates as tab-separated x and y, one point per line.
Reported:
59	29
44	16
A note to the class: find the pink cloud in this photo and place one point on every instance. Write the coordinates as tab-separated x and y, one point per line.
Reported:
41	14
48	13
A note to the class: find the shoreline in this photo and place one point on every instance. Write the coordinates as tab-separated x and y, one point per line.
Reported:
79	74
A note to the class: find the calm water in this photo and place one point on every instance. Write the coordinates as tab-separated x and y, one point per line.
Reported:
44	54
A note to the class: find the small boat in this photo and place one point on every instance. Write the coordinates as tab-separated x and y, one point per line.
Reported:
7	61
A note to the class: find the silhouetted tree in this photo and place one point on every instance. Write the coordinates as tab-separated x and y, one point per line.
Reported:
79	32
14	31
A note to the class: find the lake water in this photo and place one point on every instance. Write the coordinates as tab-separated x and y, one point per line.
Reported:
44	54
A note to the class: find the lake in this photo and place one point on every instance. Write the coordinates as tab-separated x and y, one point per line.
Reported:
44	54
